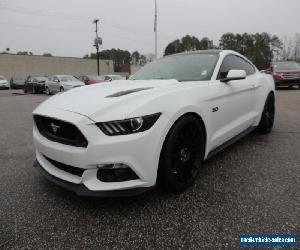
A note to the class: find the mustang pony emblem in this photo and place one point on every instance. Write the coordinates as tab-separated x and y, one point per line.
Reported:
54	127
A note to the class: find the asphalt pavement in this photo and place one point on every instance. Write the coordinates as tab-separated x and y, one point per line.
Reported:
252	187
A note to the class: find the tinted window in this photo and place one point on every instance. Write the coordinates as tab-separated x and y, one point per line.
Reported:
68	78
40	79
234	62
184	67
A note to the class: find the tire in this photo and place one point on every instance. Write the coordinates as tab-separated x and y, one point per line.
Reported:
25	90
61	89
299	86
47	91
182	155
266	123
34	90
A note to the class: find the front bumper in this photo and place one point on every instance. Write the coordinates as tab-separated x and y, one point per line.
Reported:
81	190
289	82
4	86
139	151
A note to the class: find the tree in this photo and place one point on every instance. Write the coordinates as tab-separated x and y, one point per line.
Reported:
205	43
23	53
259	47
135	57
47	54
119	57
188	43
173	47
290	49
143	60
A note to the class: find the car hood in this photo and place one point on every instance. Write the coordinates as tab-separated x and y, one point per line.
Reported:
113	100
3	81
73	83
19	82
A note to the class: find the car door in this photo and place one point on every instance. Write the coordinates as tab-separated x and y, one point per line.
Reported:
50	84
233	104
29	84
55	84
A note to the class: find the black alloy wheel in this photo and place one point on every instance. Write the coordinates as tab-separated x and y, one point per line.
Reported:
182	155
47	91
267	119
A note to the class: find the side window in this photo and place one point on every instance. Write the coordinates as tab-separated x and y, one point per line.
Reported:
234	62
54	78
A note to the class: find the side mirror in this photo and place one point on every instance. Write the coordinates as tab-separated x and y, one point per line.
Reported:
234	75
56	80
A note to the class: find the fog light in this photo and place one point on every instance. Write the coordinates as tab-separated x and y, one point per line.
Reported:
115	173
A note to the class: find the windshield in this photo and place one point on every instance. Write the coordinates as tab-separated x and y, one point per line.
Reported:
19	78
184	67
67	79
41	79
286	66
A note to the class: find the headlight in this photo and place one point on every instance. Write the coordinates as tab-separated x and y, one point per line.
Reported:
128	126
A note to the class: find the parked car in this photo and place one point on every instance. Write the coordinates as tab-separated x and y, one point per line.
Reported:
91	79
17	82
285	73
156	128
35	84
110	78
61	83
3	83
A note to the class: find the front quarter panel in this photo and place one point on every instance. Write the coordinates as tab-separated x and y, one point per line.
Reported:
176	103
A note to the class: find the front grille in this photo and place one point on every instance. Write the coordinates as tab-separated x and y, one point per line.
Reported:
60	131
66	168
291	76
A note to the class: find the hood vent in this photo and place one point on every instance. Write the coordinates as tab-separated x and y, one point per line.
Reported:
127	92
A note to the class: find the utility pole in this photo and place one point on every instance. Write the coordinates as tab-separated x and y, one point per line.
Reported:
97	42
155	28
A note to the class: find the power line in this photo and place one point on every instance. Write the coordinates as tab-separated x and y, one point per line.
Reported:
117	36
120	27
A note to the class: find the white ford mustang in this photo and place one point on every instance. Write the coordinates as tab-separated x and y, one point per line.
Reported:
124	137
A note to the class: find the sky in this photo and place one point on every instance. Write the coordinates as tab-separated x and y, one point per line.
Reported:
65	28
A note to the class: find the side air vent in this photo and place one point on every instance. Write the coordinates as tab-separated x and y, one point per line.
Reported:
126	92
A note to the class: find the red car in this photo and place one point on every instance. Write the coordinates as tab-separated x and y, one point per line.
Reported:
285	73
91	79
